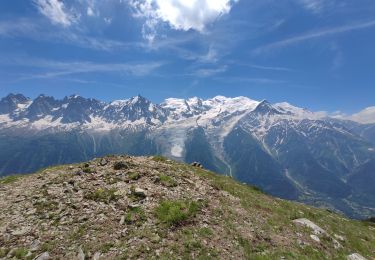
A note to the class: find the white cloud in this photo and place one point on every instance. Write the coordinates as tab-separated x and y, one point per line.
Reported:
179	14
90	12
55	11
107	20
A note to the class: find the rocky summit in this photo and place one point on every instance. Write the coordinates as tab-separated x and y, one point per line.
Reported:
122	207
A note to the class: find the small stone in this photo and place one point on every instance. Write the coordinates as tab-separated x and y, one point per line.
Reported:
122	221
83	218
308	223
338	237
157	179
35	245
71	167
96	256
155	238
336	244
43	256
20	232
355	256
103	162
81	255
315	238
134	206
139	192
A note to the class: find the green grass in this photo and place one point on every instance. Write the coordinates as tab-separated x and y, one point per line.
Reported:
9	179
88	170
3	252
78	233
103	195
167	181
175	212
20	253
159	158
134	176
106	247
135	216
205	232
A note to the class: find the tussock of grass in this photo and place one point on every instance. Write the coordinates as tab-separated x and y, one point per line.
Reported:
159	158
167	181
135	216
3	252
20	253
103	195
134	176
88	170
175	212
9	179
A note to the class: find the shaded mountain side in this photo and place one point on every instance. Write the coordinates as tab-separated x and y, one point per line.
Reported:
198	149
29	154
122	207
294	154
251	164
366	131
362	181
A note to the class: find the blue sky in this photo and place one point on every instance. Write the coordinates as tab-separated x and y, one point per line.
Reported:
317	54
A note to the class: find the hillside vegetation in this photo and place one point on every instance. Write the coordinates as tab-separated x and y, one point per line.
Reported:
122	207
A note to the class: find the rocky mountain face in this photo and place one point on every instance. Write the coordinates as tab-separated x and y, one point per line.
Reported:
122	207
286	151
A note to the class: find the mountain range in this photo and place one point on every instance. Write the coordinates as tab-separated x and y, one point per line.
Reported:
286	151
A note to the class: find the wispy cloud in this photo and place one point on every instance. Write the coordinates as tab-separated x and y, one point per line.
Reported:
28	29
234	79
315	6
209	72
262	67
16	28
56	12
338	59
55	69
314	35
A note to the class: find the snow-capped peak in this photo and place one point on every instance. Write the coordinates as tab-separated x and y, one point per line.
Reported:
119	103
231	104
298	112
